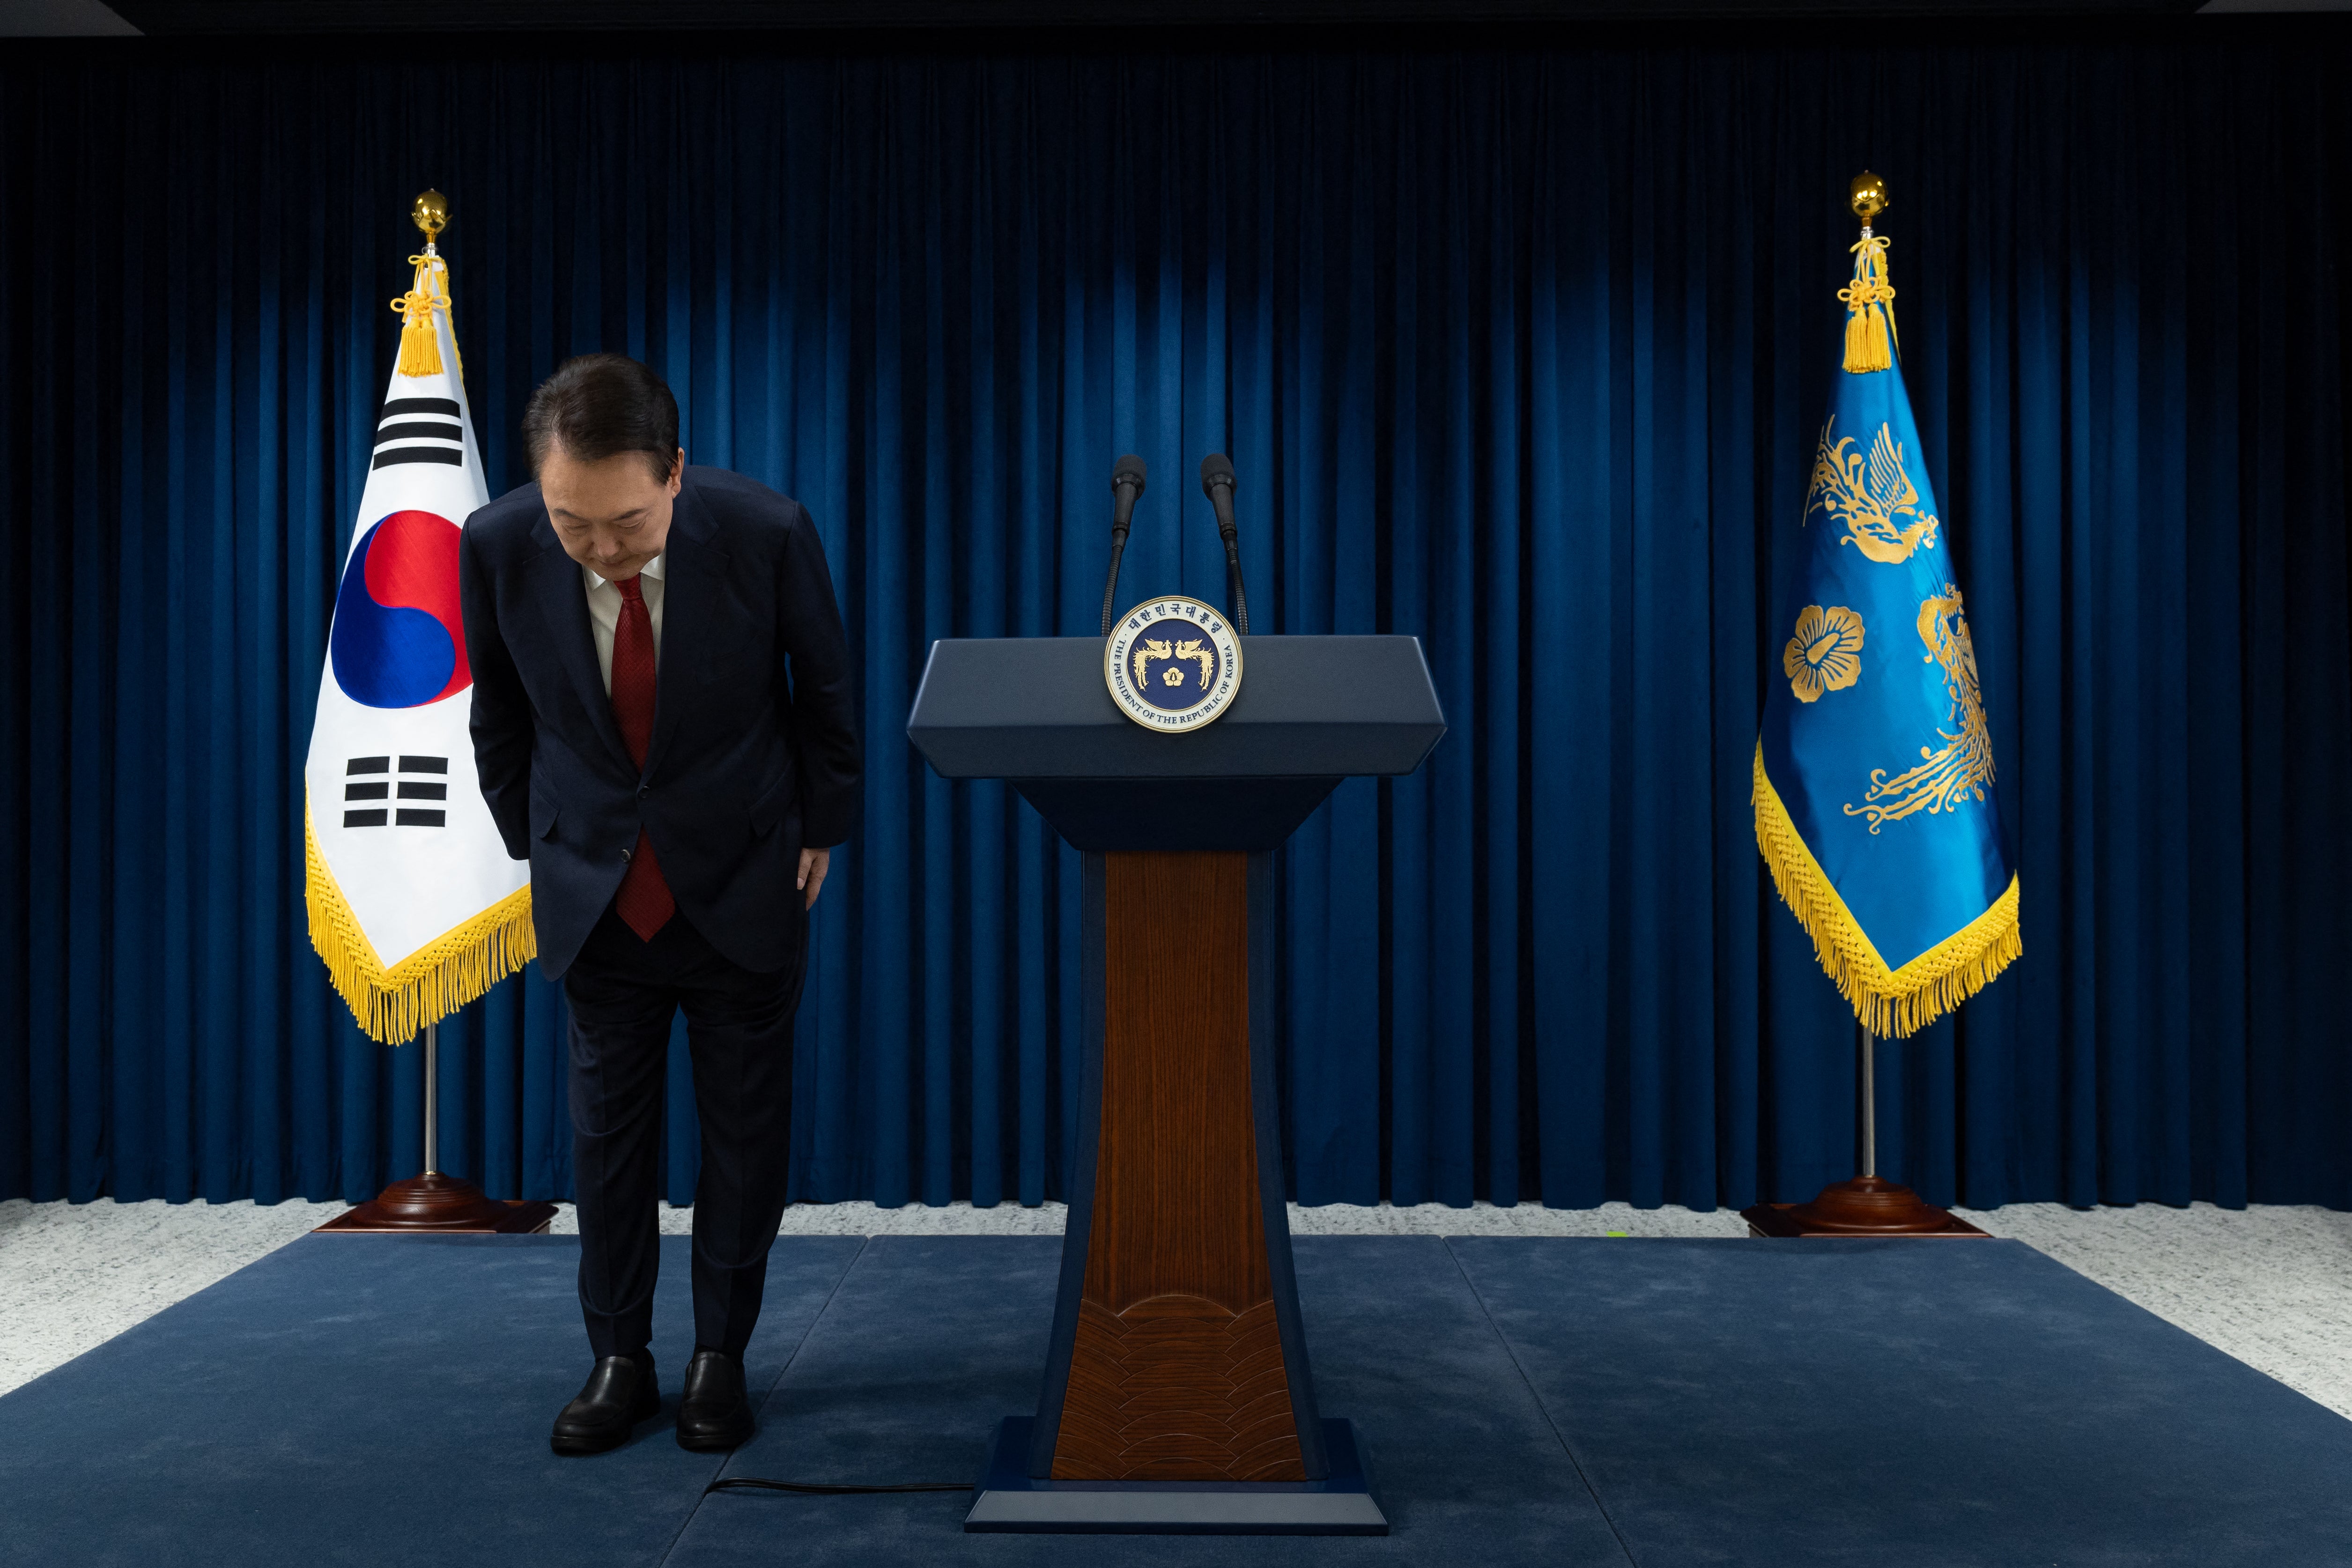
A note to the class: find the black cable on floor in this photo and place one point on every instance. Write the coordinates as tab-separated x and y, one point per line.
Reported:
820	1489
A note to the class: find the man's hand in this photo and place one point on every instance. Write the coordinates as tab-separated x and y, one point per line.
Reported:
813	863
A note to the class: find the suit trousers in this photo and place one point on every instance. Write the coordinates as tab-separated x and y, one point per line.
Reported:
623	992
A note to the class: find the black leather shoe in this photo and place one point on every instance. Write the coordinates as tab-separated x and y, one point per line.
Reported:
618	1394
714	1414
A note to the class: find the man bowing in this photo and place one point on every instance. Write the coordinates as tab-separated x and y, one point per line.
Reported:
663	723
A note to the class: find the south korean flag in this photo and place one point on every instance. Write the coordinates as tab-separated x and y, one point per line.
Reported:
413	901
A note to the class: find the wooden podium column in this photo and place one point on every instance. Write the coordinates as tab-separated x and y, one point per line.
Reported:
1185	1361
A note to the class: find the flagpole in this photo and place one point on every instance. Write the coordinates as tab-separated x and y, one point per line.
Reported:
1869	1103
432	1096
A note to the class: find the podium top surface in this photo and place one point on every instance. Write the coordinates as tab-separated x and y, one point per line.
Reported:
1309	706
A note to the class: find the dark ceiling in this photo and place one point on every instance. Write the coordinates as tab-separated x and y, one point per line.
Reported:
186	17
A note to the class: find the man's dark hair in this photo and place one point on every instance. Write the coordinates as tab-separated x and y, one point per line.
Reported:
601	405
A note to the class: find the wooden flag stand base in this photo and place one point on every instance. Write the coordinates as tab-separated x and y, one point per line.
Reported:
435	1204
1869	1204
1866	1206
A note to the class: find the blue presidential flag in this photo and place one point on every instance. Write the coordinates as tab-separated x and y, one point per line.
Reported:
1874	781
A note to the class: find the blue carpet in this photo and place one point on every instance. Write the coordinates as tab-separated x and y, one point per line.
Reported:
369	1400
379	1401
931	1340
1978	1403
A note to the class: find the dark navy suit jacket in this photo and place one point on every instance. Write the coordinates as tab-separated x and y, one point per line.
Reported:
754	750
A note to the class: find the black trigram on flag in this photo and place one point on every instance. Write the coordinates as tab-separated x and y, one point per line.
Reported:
422	778
419	430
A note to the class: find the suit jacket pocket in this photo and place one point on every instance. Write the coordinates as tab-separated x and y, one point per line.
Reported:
771	805
544	808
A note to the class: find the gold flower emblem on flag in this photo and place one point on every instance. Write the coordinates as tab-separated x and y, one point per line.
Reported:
1870	496
1826	653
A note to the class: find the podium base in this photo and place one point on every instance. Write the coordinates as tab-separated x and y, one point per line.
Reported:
435	1204
1866	1206
1009	1501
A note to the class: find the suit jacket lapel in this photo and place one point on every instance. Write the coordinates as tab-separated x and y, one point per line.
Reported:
562	598
691	562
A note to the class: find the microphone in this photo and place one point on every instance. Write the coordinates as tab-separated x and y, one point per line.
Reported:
1126	486
1217	484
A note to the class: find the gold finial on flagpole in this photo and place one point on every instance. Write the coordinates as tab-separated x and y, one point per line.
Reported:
420	346
430	213
1870	299
1868	197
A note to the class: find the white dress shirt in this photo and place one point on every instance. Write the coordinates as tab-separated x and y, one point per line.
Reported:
604	612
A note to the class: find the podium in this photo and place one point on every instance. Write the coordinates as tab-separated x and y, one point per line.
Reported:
1177	1395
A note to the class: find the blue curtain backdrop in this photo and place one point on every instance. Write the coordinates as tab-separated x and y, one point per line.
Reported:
1522	353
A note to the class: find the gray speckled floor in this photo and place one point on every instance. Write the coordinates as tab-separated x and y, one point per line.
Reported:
2271	1286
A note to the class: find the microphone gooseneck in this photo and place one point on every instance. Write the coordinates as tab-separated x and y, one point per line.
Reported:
1126	486
1217	484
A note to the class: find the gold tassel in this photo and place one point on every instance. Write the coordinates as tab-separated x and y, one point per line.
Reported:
430	983
1889	1001
420	344
1870	337
441	302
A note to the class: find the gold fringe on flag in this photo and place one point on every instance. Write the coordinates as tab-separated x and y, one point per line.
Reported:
1870	338
1888	1002
430	983
420	344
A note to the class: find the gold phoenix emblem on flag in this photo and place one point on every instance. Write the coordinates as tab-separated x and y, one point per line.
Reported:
1826	653
1869	495
1962	765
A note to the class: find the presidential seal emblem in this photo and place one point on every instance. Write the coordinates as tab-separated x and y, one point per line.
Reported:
1172	664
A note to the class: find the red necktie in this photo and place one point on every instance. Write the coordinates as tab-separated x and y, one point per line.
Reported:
644	902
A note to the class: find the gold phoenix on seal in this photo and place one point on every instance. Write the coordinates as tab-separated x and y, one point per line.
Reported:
1160	647
1962	765
1826	653
1869	495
